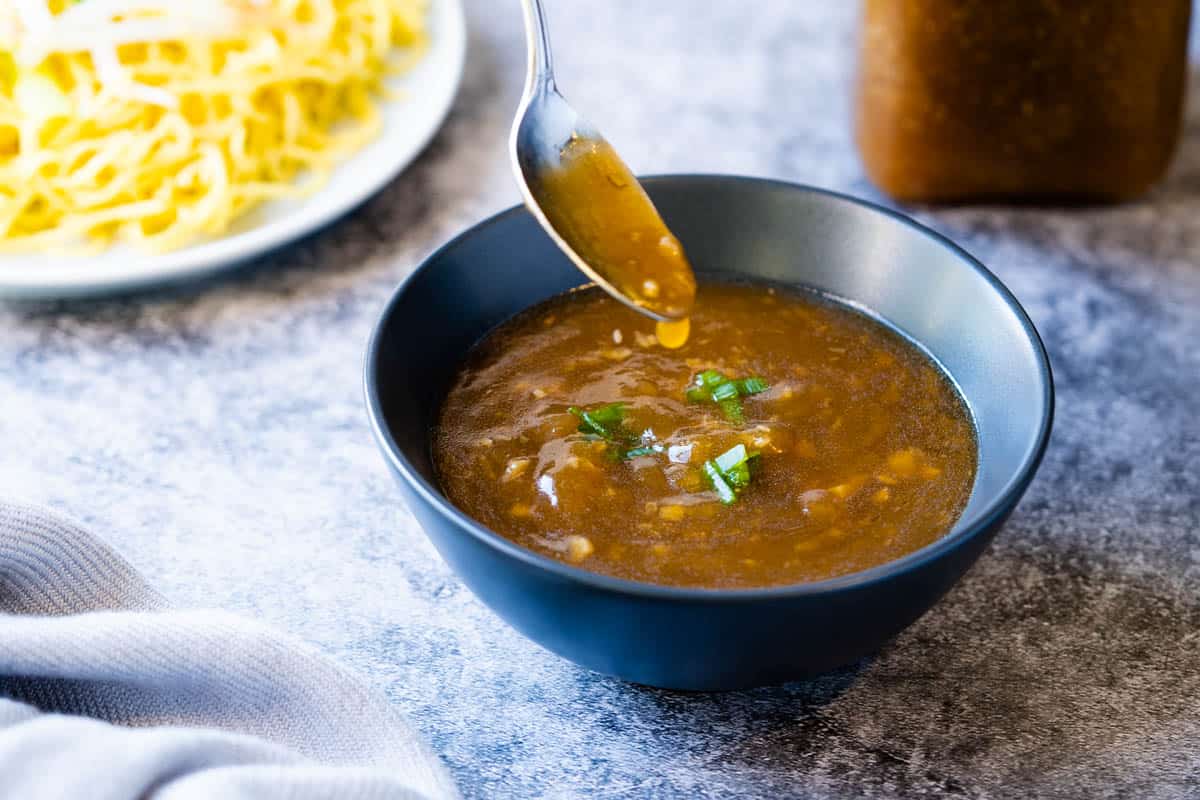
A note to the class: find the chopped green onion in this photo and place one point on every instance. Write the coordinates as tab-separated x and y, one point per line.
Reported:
610	414
732	409
724	391
604	422
729	473
731	458
724	491
710	386
749	386
739	476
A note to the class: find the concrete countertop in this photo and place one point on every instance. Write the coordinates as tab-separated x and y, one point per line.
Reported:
215	434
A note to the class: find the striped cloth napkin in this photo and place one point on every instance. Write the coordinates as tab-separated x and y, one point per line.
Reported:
108	693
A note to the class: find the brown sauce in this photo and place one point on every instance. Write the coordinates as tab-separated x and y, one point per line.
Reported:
598	207
865	450
1020	99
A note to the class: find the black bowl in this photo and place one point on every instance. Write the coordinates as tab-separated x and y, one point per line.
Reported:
910	277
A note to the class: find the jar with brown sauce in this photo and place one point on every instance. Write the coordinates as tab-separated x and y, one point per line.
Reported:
1020	99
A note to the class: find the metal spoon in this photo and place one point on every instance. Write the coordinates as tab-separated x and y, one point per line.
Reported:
587	200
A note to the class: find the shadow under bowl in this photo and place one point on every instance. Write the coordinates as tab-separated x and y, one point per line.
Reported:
913	279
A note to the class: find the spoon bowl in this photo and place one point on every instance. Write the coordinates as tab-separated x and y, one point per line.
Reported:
586	198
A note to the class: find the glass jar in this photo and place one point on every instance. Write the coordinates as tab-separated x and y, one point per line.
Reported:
1020	99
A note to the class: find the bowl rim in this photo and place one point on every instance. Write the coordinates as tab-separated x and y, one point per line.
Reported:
992	513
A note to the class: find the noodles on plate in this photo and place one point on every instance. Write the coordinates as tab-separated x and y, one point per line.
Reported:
160	122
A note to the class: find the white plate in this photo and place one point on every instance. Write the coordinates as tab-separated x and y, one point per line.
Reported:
409	124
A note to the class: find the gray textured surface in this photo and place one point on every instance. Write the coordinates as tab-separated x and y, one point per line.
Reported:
217	434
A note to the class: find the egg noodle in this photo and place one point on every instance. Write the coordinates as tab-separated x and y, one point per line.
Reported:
160	122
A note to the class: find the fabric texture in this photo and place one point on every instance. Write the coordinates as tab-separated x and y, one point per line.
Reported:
108	693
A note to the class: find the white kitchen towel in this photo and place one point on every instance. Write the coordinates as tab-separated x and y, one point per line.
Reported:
107	693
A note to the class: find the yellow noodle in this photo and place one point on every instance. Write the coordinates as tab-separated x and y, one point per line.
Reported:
262	113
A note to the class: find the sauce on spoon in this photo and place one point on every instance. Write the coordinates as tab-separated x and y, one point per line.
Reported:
597	205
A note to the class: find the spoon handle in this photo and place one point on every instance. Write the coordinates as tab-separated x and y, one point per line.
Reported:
541	67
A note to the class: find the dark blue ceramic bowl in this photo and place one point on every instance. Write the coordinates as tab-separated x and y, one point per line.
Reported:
910	277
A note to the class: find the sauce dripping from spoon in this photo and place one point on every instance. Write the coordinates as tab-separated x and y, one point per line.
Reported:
597	205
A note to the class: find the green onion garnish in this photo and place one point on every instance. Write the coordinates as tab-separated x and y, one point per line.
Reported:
725	391
711	386
604	422
724	491
731	458
749	386
643	450
730	472
732	409
607	423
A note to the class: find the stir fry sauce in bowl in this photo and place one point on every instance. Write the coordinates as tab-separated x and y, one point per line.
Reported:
790	439
781	494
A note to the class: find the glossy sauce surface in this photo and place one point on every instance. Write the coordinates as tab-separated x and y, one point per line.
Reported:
866	452
598	207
